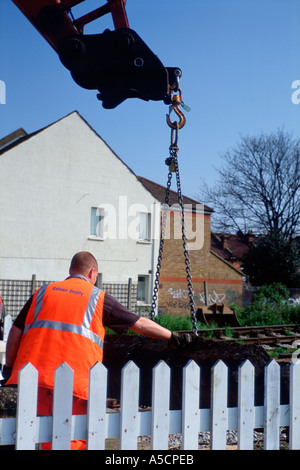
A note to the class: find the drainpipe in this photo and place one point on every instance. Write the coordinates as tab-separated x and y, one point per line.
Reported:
155	236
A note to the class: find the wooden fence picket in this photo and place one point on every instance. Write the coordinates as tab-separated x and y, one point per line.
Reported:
6	329
160	406
295	405
62	408
219	380
7	326
28	429
26	417
129	407
96	412
246	406
271	406
190	406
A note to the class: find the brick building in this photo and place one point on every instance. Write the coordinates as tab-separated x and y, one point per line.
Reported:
232	247
214	279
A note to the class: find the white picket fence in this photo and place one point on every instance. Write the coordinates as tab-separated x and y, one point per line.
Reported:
27	429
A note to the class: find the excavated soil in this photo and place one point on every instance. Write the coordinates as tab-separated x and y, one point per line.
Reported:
146	353
8	402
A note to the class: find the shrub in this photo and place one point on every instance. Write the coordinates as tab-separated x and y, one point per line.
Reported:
270	307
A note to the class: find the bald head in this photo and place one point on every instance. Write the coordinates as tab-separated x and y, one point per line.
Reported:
86	264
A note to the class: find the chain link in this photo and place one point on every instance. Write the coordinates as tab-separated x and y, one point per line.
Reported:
185	249
161	245
172	162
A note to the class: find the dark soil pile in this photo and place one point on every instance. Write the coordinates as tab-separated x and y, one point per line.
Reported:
146	353
8	402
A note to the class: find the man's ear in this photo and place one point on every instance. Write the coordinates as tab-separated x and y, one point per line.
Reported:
91	273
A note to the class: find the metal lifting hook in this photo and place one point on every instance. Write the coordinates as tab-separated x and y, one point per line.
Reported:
175	102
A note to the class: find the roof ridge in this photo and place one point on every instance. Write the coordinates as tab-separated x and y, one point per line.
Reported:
153	187
32	134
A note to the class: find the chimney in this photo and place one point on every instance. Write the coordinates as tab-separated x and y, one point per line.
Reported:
225	240
250	237
13	137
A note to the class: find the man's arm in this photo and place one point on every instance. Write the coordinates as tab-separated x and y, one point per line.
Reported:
150	328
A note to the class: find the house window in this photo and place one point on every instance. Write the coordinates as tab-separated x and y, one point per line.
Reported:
142	289
145	226
97	222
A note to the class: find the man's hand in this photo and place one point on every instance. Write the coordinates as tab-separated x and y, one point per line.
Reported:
180	339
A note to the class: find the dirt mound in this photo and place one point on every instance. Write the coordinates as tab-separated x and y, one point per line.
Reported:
8	402
121	349
146	353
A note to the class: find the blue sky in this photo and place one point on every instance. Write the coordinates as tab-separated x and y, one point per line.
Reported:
239	59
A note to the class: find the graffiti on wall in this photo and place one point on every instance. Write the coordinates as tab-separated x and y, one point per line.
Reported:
213	297
293	301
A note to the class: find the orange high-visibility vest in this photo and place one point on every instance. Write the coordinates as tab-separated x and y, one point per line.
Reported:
63	324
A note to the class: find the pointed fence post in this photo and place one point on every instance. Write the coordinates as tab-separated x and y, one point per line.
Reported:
160	406
295	405
190	406
96	411
27	408
129	406
246	406
272	406
219	413
62	408
7	326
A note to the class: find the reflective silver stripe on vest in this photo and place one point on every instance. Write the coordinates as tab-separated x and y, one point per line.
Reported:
82	330
68	327
91	308
39	300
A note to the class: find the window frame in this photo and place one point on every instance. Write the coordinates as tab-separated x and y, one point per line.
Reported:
94	224
147	229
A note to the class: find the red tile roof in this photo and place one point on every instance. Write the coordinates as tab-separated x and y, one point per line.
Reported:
231	247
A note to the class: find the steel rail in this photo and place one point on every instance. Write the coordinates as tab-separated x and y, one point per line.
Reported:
263	334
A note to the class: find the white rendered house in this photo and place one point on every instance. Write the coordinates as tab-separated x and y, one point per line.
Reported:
63	190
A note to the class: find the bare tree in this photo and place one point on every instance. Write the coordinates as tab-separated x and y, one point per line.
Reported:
258	188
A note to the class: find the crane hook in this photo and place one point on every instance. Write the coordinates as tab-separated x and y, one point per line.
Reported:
175	102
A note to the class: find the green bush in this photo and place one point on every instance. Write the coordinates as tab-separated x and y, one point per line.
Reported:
269	307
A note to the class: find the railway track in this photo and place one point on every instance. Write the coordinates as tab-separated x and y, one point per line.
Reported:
266	334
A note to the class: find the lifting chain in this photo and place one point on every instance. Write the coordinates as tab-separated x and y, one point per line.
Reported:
172	162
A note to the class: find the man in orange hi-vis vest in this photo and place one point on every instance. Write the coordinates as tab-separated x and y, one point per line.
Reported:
65	322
